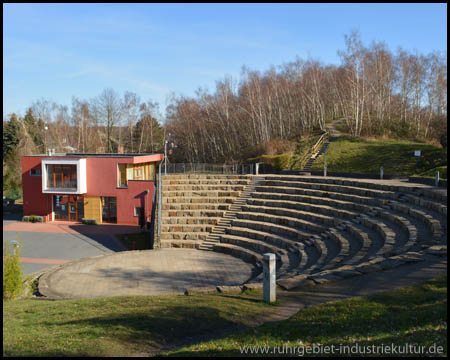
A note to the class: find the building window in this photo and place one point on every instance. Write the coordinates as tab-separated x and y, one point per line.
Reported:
138	211
109	210
137	173
35	172
61	176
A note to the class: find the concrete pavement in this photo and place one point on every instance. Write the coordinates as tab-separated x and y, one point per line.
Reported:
55	243
147	272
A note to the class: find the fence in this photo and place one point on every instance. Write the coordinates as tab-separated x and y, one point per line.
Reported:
200	168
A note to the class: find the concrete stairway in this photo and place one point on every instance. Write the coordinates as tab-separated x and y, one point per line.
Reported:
324	229
192	206
313	157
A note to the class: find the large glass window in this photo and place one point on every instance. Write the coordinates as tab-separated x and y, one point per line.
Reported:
67	207
109	209
61	176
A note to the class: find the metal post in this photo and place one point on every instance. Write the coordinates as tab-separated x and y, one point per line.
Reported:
165	157
436	181
256	168
381	173
269	284
14	244
324	160
158	222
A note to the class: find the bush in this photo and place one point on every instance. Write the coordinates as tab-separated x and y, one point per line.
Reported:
443	140
12	273
89	221
33	218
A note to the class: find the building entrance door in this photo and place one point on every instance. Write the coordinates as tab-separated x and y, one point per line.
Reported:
68	208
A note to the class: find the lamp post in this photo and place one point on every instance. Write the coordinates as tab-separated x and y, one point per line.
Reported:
165	157
45	138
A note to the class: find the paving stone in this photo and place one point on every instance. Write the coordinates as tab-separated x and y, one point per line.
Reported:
293	282
201	290
229	289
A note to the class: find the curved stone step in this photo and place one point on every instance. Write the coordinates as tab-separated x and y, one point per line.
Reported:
273	228
324	194
237	251
169	182
282	220
433	224
312	208
204	187
274	239
293	213
197	200
306	199
331	188
365	244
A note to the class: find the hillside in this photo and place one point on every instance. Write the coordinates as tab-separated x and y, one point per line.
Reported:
347	154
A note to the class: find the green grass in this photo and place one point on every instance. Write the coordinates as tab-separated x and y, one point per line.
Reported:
432	172
347	154
119	326
135	325
411	315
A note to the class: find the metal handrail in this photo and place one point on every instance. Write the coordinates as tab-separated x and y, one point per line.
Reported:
314	150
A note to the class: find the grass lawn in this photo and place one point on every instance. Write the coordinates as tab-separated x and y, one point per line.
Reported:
130	326
411	315
118	326
348	154
432	172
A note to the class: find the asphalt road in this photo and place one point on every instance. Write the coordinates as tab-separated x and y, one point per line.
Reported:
45	249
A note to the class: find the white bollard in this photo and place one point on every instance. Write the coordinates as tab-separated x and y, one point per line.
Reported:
436	181
269	284
381	172
256	168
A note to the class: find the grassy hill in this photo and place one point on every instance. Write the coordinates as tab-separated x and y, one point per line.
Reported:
136	325
347	154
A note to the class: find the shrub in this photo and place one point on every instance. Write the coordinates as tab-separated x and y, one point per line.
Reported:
89	221
443	140
33	218
12	273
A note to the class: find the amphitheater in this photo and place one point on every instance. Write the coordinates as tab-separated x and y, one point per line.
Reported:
320	228
215	230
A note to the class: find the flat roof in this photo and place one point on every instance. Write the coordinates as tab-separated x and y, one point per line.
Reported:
97	155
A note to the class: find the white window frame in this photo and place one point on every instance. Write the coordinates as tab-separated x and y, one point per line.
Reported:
81	176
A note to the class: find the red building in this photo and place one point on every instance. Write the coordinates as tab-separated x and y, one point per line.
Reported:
110	188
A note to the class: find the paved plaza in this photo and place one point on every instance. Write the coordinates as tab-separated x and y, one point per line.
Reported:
147	272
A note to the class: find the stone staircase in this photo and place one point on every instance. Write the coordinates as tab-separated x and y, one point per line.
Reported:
324	229
192	206
313	157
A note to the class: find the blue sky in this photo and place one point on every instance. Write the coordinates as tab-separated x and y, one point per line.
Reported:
56	51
